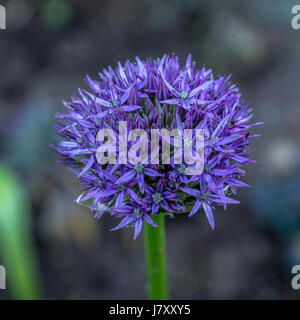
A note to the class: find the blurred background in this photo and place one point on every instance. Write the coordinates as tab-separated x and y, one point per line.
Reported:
54	249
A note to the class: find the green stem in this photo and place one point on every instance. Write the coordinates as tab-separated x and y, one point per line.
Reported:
156	265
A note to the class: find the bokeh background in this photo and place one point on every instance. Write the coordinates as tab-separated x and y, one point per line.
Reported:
54	249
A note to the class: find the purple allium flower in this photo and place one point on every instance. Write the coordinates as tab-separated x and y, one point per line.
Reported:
155	94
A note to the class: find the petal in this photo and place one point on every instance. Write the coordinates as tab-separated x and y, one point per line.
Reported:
223	200
202	87
164	205
119	200
228	139
152	173
168	194
126	95
87	166
223	172
209	214
106	193
186	105
241	159
67	144
126	177
170	101
160	186
237	183
195	208
135	197
221	126
155	208
124	208
128	108
123	223
149	220
141	183
138	228
179	123
171	89
188	61
99	214
211	184
193	192
99	115
86	196
98	100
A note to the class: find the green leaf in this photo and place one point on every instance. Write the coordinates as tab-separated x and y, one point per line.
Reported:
16	243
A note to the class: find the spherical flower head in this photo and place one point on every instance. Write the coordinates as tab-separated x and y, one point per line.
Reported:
151	95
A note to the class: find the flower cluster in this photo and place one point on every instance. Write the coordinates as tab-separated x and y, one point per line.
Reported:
154	94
